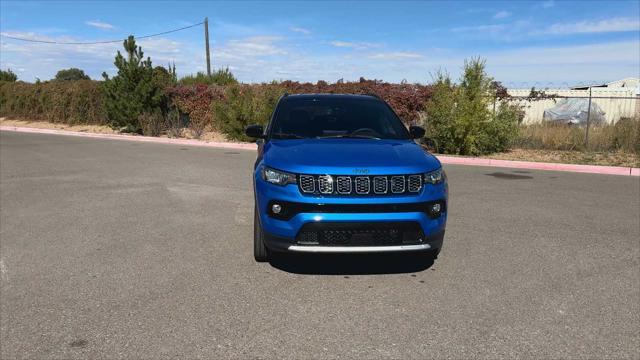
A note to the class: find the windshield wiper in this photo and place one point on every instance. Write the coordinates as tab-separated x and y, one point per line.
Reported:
287	136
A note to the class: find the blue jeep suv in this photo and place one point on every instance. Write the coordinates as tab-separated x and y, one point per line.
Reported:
342	174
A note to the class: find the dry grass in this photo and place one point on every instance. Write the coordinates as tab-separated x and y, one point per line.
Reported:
570	157
206	136
623	136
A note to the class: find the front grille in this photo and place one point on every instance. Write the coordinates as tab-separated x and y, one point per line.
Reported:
414	183
360	185
380	185
360	234
325	184
397	184
307	183
344	184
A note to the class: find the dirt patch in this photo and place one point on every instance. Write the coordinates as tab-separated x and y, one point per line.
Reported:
101	129
207	136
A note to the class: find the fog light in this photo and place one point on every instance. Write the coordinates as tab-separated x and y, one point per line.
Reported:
435	210
276	208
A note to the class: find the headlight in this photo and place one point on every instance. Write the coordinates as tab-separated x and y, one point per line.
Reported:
434	177
276	176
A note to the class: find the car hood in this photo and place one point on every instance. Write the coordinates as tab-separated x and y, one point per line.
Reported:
348	156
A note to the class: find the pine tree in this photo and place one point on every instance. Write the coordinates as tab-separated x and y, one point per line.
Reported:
132	91
8	75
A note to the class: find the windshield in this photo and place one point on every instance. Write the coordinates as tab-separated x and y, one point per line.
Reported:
336	118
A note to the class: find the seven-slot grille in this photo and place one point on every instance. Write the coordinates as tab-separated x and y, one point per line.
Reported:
360	185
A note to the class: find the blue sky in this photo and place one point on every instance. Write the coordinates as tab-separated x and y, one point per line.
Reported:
541	43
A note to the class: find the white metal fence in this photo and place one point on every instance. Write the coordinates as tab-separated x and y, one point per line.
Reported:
615	102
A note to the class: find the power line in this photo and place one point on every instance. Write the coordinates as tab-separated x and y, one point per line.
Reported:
98	42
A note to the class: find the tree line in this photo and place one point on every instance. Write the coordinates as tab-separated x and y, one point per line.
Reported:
470	116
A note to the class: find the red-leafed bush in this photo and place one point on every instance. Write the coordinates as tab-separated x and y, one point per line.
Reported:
70	102
80	101
200	102
197	101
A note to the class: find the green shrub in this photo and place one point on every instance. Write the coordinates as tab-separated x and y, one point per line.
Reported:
501	130
244	105
174	123
220	77
151	123
458	117
70	102
136	89
71	74
440	115
8	75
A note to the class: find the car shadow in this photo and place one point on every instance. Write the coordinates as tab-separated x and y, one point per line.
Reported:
352	264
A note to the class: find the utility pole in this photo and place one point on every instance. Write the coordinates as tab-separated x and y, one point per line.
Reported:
206	40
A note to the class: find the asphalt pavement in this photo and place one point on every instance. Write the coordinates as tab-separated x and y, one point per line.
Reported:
122	249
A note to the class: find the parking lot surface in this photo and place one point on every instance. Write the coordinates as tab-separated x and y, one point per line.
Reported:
121	249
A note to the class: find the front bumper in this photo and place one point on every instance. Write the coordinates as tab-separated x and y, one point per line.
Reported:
280	234
279	244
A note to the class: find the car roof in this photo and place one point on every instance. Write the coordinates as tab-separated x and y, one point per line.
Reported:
331	96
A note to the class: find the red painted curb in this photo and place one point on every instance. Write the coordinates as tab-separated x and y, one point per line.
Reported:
454	160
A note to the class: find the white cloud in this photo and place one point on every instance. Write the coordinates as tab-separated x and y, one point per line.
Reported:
517	31
501	15
396	55
254	46
603	53
354	45
93	58
572	64
300	30
264	58
607	25
100	24
548	4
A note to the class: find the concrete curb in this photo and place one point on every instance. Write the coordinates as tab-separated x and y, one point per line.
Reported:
531	165
455	160
149	139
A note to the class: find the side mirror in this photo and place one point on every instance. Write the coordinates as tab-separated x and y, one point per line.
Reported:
254	131
416	132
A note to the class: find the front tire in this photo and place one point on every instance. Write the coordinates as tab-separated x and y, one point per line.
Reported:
260	251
